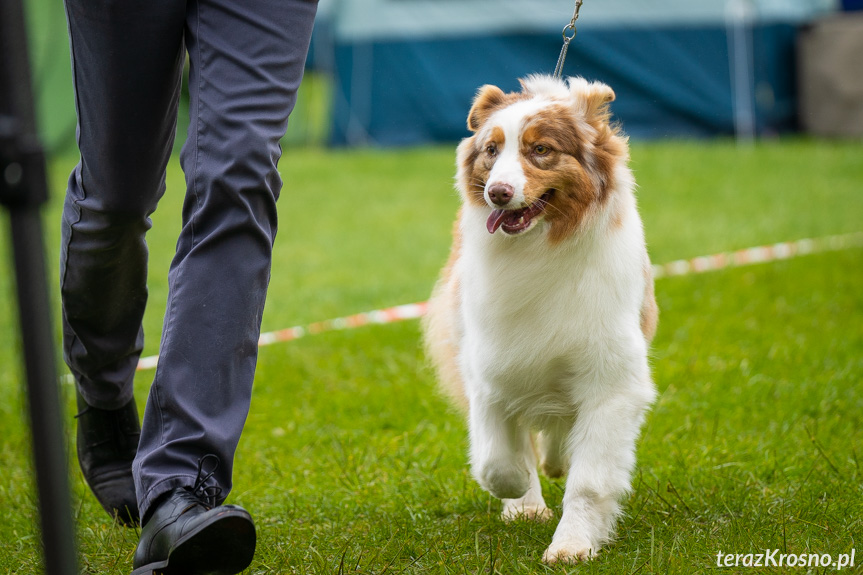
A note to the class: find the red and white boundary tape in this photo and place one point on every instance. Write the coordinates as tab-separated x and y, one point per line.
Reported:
757	255
378	316
701	264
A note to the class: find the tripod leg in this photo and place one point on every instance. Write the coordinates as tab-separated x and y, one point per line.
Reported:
22	190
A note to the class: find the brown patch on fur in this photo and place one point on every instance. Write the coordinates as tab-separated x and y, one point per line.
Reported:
597	98
489	99
448	271
609	147
466	156
495	139
554	126
579	166
439	334
477	163
649	309
618	215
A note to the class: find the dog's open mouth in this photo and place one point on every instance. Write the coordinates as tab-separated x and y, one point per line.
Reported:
517	221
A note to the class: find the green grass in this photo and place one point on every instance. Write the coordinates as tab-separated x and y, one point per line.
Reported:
351	463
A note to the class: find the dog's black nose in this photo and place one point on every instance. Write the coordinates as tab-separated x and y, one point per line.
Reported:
500	194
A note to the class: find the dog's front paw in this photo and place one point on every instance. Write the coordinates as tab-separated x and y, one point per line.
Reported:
516	509
569	551
503	479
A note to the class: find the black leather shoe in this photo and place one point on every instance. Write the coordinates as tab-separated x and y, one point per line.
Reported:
107	443
187	534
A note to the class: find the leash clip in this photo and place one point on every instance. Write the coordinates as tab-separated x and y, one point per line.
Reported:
568	33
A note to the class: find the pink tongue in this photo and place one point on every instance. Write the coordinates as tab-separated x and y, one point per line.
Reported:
495	220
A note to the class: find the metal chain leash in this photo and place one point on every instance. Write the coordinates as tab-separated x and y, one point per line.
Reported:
568	34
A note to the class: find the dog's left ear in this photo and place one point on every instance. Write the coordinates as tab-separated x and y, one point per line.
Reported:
487	99
592	98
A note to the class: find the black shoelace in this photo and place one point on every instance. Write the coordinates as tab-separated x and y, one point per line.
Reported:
209	494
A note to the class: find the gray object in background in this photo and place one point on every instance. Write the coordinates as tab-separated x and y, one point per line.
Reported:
830	76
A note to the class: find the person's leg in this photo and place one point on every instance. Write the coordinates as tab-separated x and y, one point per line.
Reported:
127	61
246	63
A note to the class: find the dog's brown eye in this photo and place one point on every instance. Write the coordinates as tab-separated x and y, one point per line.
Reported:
541	150
491	150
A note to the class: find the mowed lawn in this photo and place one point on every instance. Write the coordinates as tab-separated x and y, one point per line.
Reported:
352	463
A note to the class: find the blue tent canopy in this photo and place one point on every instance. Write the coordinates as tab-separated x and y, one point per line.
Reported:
405	71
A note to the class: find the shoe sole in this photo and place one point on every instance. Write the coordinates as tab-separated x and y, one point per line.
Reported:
224	546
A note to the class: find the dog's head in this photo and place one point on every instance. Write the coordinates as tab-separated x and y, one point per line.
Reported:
543	157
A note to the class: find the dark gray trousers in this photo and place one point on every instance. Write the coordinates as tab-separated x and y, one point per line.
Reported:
246	62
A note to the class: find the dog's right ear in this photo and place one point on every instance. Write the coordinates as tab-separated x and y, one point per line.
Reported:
487	99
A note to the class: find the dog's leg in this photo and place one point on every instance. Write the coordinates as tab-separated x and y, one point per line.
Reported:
551	444
497	451
531	505
602	452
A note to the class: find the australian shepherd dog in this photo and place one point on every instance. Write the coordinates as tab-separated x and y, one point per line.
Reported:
540	324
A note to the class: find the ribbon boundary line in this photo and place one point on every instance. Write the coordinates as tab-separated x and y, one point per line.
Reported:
696	265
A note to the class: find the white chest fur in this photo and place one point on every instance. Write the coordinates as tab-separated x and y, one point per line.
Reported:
543	325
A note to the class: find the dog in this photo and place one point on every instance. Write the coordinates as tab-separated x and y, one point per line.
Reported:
542	317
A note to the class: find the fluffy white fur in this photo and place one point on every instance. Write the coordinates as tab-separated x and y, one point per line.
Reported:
535	335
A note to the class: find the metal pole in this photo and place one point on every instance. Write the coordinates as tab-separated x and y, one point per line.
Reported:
739	20
23	189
